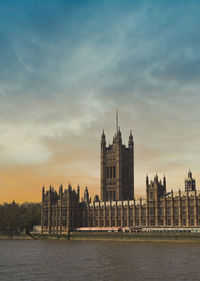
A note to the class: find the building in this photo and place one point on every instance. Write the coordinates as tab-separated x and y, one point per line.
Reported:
190	183
63	211
117	169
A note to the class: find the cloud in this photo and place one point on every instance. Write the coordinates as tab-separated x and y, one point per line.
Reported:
66	66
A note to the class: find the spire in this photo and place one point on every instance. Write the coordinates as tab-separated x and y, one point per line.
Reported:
61	188
147	180
117	121
130	142
69	187
164	180
86	195
103	139
78	191
190	174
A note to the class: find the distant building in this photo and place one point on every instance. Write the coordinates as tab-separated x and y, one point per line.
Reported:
62	211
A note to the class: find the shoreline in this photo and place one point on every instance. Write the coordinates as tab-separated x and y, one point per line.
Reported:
118	237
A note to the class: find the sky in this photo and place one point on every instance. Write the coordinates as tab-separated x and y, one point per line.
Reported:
65	66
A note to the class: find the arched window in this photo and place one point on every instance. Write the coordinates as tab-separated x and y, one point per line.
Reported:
114	196
114	172
107	172
111	172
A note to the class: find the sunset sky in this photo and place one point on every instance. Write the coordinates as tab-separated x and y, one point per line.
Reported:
65	66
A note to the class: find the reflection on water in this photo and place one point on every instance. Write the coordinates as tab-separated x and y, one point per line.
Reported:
98	260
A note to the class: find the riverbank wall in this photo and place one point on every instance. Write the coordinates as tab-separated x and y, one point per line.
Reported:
111	236
138	236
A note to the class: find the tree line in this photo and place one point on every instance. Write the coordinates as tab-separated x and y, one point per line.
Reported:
15	218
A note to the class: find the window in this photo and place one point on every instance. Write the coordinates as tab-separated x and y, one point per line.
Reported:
111	195
125	174
160	211
107	172
176	211
152	222
183	211
114	195
114	172
191	210
111	172
168	222
168	211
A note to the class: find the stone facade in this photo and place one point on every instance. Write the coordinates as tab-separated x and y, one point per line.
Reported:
117	169
60	211
63	211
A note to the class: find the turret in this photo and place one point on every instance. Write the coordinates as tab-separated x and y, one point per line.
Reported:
130	142
61	189
103	139
190	183
86	195
78	192
147	181
164	182
156	179
155	189
96	198
69	187
118	137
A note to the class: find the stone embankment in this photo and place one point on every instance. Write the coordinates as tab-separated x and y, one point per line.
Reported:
111	236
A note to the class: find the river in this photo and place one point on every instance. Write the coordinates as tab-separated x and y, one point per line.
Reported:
98	260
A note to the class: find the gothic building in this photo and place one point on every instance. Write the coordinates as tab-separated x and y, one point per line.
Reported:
63	211
117	169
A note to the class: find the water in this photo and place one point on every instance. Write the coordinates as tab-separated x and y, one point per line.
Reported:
97	260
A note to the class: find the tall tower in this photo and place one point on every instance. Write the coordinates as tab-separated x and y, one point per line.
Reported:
117	168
